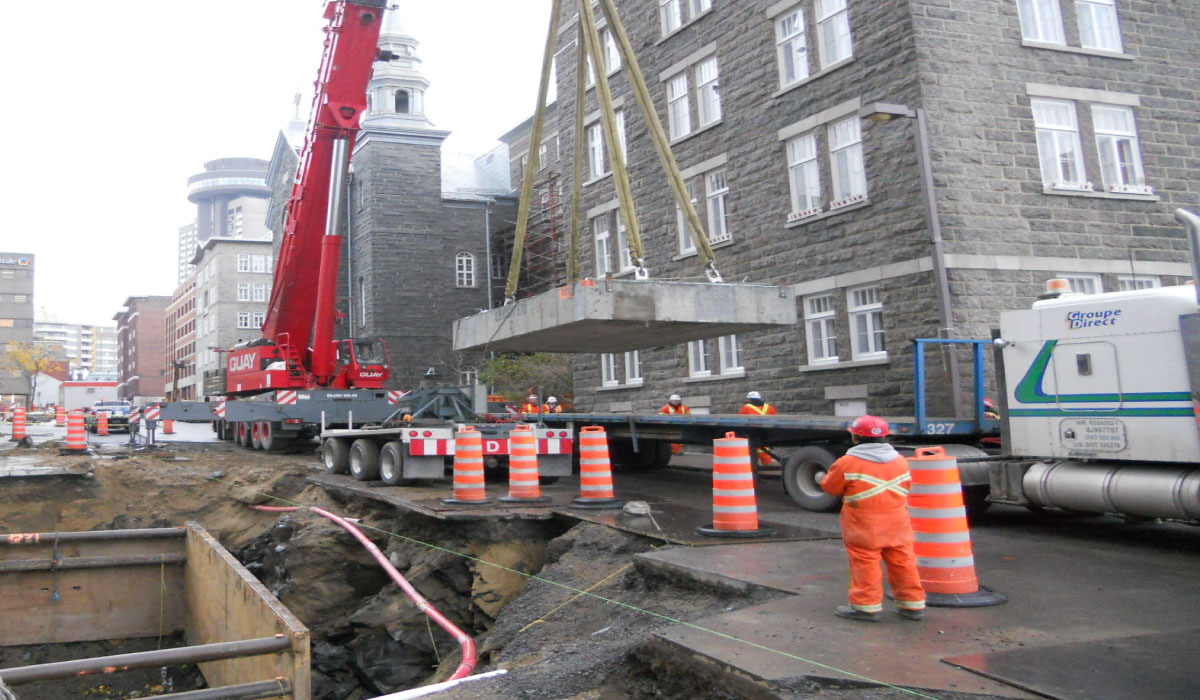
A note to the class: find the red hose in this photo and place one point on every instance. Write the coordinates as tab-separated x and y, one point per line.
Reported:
464	640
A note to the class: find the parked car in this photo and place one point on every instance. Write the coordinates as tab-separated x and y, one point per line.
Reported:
117	412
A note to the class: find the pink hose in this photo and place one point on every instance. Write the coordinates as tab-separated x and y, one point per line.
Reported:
464	640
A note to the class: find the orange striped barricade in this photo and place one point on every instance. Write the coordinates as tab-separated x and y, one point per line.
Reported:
941	538
595	471
469	488
524	483
76	434
20	421
60	416
168	427
735	507
102	424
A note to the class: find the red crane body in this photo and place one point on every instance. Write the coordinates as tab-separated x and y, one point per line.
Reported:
297	350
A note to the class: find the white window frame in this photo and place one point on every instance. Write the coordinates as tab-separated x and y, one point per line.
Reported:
258	263
670	16
731	354
543	156
464	270
259	292
1120	154
708	92
243	319
791	47
804	176
833	32
687	242
679	108
468	376
1128	283
362	302
716	193
1083	283
633	368
1099	26
243	291
624	252
820	323
243	263
697	8
602	239
608	369
595	138
847	169
866	322
611	54
258	318
621	140
699	359
1053	140
1041	20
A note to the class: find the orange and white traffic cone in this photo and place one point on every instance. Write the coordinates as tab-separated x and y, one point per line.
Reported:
735	506
76	435
942	540
102	424
524	483
469	489
595	471
19	423
60	416
168	427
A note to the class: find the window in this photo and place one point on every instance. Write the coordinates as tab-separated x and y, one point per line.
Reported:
362	302
670	14
620	119
259	263
833	30
805	180
1117	142
698	7
1084	284
243	291
464	270
1058	144
687	244
608	369
1098	27
633	368
698	358
846	161
497	267
403	102
258	319
543	156
260	292
728	361
243	264
612	56
708	86
1127	283
718	209
595	138
731	356
524	164
243	319
820	321
469	376
679	114
792	48
624	254
600	231
1041	20
866	323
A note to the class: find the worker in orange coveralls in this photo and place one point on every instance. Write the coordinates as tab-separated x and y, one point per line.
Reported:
755	406
531	404
873	481
675	406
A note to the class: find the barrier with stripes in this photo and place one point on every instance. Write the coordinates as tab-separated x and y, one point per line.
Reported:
395	396
524	483
595	471
153	412
60	416
735	505
20	421
286	398
219	411
76	433
102	423
941	537
469	488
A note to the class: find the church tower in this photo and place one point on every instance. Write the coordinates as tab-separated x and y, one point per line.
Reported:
396	95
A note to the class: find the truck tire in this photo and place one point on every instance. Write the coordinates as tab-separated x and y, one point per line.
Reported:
651	455
364	460
800	478
256	431
243	435
272	439
391	464
335	453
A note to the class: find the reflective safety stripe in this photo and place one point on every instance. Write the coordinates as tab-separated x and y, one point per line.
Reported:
942	537
733	492
601	487
937	513
931	464
745	476
932	489
593	462
735	509
945	562
879	486
732	461
878	607
910	604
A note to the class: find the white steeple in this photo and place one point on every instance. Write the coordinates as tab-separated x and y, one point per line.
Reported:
396	93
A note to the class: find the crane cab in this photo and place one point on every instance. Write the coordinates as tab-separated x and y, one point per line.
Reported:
363	363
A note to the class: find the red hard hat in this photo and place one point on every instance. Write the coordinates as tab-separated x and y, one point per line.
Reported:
870	426
989	403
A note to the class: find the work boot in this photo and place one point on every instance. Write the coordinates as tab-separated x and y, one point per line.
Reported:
855	614
911	615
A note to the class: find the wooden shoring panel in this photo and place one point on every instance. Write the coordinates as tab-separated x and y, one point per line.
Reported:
225	603
86	605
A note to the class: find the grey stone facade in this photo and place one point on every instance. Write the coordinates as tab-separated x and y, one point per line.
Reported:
967	67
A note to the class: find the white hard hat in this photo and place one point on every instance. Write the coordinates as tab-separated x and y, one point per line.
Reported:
754	395
533	397
675	397
551	400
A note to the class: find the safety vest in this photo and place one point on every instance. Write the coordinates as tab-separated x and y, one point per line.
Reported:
669	409
529	408
552	409
763	410
871	485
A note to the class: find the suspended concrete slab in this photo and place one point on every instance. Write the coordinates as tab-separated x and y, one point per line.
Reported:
624	315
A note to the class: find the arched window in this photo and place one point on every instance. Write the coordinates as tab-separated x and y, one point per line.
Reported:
464	270
403	102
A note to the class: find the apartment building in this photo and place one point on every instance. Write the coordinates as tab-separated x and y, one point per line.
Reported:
141	343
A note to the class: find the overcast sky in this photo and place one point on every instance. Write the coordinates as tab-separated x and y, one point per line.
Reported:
109	108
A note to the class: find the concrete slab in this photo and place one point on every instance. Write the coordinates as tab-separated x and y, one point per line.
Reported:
677	524
624	315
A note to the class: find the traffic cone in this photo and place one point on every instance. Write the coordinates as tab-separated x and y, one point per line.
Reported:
469	487
735	507
102	424
168	427
76	435
19	422
60	416
942	540
595	471
524	484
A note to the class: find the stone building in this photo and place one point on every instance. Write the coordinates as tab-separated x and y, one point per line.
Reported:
1060	134
141	340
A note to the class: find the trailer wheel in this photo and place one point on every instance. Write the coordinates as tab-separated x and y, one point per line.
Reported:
364	460
272	439
243	435
800	478
391	465
335	453
256	434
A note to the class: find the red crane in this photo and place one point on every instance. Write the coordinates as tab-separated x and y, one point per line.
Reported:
297	349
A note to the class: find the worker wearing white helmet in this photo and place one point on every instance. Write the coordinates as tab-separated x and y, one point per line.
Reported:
552	405
755	406
675	406
531	405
